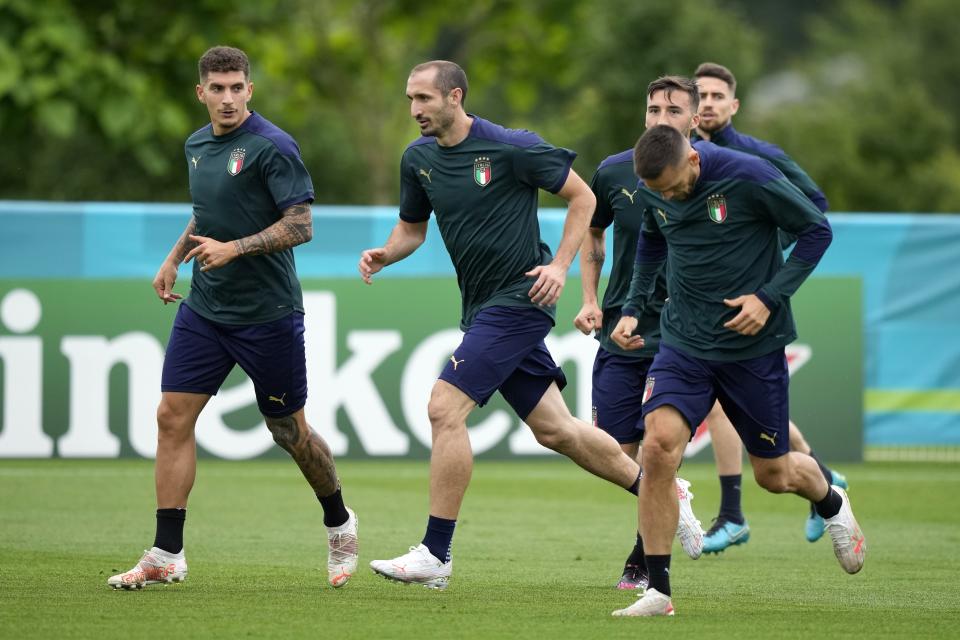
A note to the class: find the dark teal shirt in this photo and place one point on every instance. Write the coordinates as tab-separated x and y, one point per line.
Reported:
721	242
240	183
620	203
484	193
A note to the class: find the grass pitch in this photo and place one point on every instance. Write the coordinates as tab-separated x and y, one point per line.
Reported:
537	550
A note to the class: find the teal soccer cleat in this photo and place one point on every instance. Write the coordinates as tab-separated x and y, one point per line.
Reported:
815	526
724	534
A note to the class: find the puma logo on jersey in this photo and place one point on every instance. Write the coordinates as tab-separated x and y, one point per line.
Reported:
195	161
629	194
455	362
772	439
280	399
662	215
426	174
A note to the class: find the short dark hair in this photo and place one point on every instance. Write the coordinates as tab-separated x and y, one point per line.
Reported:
221	59
669	84
659	147
718	71
449	77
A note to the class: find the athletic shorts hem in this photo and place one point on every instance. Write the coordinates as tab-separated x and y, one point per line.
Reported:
769	455
283	413
187	389
465	392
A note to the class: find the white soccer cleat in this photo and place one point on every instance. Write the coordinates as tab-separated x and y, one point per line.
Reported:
155	567
689	530
343	548
849	543
419	566
651	603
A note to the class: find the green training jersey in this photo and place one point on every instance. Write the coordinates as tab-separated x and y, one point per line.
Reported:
721	242
621	203
240	183
484	193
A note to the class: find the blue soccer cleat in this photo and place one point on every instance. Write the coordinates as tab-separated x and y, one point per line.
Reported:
815	526
725	533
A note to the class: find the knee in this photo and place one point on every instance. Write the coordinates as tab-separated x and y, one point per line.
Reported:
772	478
172	422
664	440
553	436
285	431
442	415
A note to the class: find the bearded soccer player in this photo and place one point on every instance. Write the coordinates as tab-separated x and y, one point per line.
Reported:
251	205
718	104
724	328
619	374
482	181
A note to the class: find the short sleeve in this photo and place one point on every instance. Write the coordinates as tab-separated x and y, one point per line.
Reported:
603	214
414	204
543	166
287	178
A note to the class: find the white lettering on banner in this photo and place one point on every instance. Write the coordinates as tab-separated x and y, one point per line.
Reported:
350	385
21	428
217	437
424	365
91	360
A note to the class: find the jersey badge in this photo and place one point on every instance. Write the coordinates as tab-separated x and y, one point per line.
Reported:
426	174
235	163
628	193
717	207
482	171
195	160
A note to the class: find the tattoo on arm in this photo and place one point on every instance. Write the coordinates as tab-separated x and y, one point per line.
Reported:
185	244
596	256
308	450
294	227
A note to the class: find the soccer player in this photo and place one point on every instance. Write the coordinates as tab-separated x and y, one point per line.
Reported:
482	181
724	328
718	104
618	374
251	205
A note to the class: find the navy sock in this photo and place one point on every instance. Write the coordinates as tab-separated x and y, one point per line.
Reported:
637	558
830	505
730	499
658	568
169	535
439	537
334	511
635	487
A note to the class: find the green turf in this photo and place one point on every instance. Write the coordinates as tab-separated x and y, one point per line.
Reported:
538	548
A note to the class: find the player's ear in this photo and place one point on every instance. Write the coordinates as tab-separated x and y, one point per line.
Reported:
249	90
735	106
200	92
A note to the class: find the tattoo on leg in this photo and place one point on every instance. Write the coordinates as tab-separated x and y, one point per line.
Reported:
308	450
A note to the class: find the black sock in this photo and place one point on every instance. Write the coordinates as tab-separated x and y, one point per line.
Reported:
334	513
635	487
830	505
170	530
439	537
658	568
637	558
730	499
827	474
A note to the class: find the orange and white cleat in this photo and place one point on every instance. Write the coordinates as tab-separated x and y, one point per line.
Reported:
849	543
651	603
155	567
343	549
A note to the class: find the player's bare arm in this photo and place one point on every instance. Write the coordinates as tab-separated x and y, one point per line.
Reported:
167	275
405	238
294	227
592	256
580	206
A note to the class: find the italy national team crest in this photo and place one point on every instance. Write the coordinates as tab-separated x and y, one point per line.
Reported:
235	163
647	390
717	208
482	172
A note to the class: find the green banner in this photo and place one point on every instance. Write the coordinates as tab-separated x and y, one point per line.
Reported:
80	362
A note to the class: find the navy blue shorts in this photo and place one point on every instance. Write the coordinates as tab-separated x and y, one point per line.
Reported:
617	395
201	353
753	394
504	350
